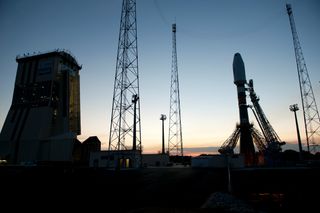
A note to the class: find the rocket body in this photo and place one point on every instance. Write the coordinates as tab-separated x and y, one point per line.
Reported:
246	142
239	76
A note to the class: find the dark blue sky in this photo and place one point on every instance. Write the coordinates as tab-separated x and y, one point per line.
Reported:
209	32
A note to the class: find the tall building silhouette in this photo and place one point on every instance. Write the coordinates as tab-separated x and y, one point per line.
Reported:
44	118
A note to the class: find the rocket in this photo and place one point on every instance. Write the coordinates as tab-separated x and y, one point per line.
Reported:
239	76
246	142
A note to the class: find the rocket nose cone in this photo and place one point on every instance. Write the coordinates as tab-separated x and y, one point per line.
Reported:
237	61
239	74
237	54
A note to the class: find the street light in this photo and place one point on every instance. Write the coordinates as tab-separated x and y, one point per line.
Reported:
135	98
294	108
163	118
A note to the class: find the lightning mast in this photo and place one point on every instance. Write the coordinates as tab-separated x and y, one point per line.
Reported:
309	106
175	145
125	117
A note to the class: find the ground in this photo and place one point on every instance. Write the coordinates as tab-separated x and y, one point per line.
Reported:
162	189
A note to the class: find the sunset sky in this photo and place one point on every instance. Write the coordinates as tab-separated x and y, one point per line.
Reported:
209	33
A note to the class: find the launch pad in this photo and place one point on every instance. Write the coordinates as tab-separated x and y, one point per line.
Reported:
268	143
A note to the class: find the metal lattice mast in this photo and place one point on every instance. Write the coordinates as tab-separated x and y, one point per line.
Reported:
126	84
309	106
175	145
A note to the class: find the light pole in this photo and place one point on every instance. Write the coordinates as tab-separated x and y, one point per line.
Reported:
135	98
163	118
294	108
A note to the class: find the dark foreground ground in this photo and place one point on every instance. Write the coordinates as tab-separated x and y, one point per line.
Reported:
160	189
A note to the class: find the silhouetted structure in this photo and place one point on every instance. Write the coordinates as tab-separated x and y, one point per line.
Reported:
246	142
175	144
273	142
163	118
268	146
77	152
294	108
309	106
44	118
217	161
91	144
155	160
116	159
82	151
124	128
